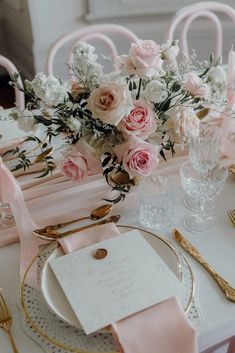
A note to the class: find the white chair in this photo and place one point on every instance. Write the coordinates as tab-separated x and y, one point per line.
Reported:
11	69
100	32
201	9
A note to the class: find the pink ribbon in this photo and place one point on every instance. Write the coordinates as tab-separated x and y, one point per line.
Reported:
11	192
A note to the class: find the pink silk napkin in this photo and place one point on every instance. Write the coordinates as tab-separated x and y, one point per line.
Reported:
87	237
162	328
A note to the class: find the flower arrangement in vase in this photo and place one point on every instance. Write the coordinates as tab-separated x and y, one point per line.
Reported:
119	124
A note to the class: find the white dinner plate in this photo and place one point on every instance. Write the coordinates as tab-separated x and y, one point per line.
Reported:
56	300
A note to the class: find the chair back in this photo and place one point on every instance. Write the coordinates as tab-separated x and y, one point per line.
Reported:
201	9
11	69
100	32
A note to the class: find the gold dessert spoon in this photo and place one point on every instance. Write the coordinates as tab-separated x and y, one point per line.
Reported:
96	214
187	246
52	237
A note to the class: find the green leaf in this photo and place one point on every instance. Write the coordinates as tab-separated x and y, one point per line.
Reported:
17	167
7	152
45	173
106	161
121	197
175	87
161	152
165	105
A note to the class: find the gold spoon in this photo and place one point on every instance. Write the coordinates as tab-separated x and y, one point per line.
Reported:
96	214
52	237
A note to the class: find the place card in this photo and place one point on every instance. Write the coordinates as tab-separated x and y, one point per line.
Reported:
110	280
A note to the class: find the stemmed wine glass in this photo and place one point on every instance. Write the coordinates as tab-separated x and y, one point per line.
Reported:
204	149
203	156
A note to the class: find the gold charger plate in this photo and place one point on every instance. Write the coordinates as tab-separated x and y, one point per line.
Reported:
178	265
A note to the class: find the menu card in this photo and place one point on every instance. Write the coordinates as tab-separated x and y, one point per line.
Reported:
127	276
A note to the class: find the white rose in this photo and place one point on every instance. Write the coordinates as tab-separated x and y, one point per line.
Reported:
50	89
155	91
169	50
183	122
217	74
26	121
74	124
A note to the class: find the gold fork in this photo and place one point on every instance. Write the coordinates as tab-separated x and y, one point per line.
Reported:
6	321
231	214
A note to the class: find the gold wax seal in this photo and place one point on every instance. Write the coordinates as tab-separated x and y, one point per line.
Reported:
99	254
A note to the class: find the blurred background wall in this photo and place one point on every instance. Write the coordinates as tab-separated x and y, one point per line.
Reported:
29	27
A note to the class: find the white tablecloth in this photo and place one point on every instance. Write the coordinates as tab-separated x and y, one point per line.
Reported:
218	247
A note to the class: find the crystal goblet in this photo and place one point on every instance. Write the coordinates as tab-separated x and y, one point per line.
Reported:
192	204
204	149
201	189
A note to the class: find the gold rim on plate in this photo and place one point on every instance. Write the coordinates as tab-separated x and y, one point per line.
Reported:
77	350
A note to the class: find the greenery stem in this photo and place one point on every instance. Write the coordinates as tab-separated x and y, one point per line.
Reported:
138	93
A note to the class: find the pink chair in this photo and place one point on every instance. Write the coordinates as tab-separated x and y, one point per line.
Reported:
11	69
201	9
100	32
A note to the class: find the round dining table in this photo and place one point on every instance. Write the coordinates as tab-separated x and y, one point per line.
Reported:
215	322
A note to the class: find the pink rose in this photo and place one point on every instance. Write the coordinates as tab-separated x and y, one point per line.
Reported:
140	121
110	102
145	50
81	161
143	60
91	155
139	158
196	87
74	167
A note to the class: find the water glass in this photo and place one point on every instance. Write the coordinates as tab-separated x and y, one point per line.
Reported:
6	215
204	149
156	206
201	190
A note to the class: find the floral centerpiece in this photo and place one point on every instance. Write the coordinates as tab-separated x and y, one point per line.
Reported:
119	124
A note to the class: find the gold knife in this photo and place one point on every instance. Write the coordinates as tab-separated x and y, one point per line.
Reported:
187	246
114	218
